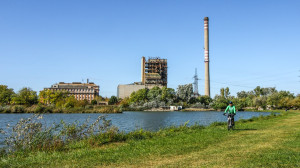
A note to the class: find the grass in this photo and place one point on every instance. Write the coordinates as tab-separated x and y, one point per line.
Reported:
271	141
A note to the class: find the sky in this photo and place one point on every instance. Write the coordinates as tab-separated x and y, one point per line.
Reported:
252	43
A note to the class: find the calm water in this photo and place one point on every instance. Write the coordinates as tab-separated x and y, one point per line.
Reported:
129	121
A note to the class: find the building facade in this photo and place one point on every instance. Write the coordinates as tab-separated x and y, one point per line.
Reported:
81	91
126	90
153	73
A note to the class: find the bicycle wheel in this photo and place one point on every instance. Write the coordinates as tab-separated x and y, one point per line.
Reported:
229	123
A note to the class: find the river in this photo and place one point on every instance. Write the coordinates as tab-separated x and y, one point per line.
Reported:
129	120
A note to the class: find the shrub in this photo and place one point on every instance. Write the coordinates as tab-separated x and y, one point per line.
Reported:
31	135
17	109
109	109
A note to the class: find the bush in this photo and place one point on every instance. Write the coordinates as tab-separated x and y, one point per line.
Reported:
89	107
18	109
94	102
109	109
31	135
5	109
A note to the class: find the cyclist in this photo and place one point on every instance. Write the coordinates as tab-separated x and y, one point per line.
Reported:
231	110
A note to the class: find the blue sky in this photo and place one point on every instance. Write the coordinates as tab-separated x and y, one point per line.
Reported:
252	43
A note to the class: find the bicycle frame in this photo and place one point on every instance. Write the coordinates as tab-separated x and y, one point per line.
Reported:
229	121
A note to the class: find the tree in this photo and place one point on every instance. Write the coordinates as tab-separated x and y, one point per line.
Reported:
273	100
167	94
206	100
227	93
242	94
70	102
125	102
50	97
94	102
25	96
185	92
113	100
220	102
154	93
6	94
257	91
139	96
296	102
260	102
82	103
222	92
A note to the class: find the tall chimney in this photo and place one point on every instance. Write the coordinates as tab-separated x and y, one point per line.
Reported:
143	70
206	58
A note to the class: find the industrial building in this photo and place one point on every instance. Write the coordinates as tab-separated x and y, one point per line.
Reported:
206	58
81	91
154	72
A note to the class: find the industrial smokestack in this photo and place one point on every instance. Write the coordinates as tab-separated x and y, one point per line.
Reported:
143	70
206	58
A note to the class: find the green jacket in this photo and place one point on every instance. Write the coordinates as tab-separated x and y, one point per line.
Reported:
230	109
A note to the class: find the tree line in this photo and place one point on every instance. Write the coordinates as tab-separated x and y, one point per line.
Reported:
258	98
26	96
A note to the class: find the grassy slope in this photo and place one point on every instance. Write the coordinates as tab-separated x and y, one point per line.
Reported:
265	143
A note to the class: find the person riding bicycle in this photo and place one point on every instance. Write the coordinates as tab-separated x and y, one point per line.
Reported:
231	110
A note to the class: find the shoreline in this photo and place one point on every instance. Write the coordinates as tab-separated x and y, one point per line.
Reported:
181	142
19	109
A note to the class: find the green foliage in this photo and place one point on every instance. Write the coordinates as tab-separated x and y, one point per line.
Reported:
25	96
167	94
139	96
265	98
220	102
57	98
258	98
185	92
70	102
125	102
154	94
31	135
109	109
94	102
153	98
6	94
113	100
82	103
206	100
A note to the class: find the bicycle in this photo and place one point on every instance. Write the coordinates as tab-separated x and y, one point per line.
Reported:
230	121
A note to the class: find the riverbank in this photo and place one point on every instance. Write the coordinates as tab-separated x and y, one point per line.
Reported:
197	109
272	141
53	109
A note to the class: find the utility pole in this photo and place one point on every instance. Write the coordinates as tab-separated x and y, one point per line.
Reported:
196	92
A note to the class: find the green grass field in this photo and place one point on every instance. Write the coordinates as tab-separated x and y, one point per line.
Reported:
263	142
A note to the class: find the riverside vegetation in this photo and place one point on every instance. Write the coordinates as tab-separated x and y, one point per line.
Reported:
265	141
27	100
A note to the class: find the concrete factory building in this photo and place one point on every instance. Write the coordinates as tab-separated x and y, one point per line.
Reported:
81	91
154	73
